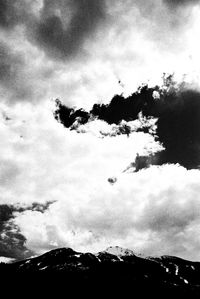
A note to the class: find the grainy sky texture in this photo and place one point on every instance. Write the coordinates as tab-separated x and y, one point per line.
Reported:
54	181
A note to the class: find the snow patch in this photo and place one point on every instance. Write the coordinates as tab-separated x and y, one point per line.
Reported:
118	251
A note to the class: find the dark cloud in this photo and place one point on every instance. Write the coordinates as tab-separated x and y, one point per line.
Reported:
8	13
178	125
64	25
10	64
175	3
35	206
179	128
57	28
60	28
120	108
12	242
13	82
17	80
14	12
67	116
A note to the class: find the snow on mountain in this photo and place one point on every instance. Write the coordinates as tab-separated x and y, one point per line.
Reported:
119	251
114	266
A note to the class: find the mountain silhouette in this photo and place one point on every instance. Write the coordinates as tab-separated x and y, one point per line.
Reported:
115	269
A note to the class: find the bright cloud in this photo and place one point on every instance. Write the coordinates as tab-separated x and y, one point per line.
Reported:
42	161
154	211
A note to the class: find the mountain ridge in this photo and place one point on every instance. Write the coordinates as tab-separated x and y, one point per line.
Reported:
124	270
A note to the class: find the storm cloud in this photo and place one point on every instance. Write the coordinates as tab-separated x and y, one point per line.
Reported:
175	3
11	13
11	64
84	52
12	241
45	46
65	25
18	81
30	29
177	109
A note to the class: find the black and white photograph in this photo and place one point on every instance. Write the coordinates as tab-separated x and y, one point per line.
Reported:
100	146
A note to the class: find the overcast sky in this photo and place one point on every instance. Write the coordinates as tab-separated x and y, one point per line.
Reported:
53	181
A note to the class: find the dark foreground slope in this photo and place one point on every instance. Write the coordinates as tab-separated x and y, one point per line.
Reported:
63	269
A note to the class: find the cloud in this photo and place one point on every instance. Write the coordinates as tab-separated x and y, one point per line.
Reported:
33	138
41	63
6	260
26	73
9	13
178	128
43	51
120	116
65	25
172	115
175	3
141	212
17	80
120	108
11	65
12	242
59	28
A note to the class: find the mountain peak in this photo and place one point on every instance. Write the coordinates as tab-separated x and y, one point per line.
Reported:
116	266
119	251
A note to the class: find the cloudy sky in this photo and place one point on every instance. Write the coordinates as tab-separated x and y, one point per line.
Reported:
54	178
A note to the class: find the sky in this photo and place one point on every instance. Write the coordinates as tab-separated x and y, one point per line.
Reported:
54	182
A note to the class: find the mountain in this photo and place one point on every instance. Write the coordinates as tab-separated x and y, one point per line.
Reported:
115	268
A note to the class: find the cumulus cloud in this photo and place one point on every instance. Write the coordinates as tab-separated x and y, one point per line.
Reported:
44	46
33	138
142	210
149	212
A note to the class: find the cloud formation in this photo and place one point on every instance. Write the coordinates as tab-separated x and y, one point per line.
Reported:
30	29
65	25
178	128
175	107
12	241
43	49
142	210
175	3
33	138
48	43
10	13
11	72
